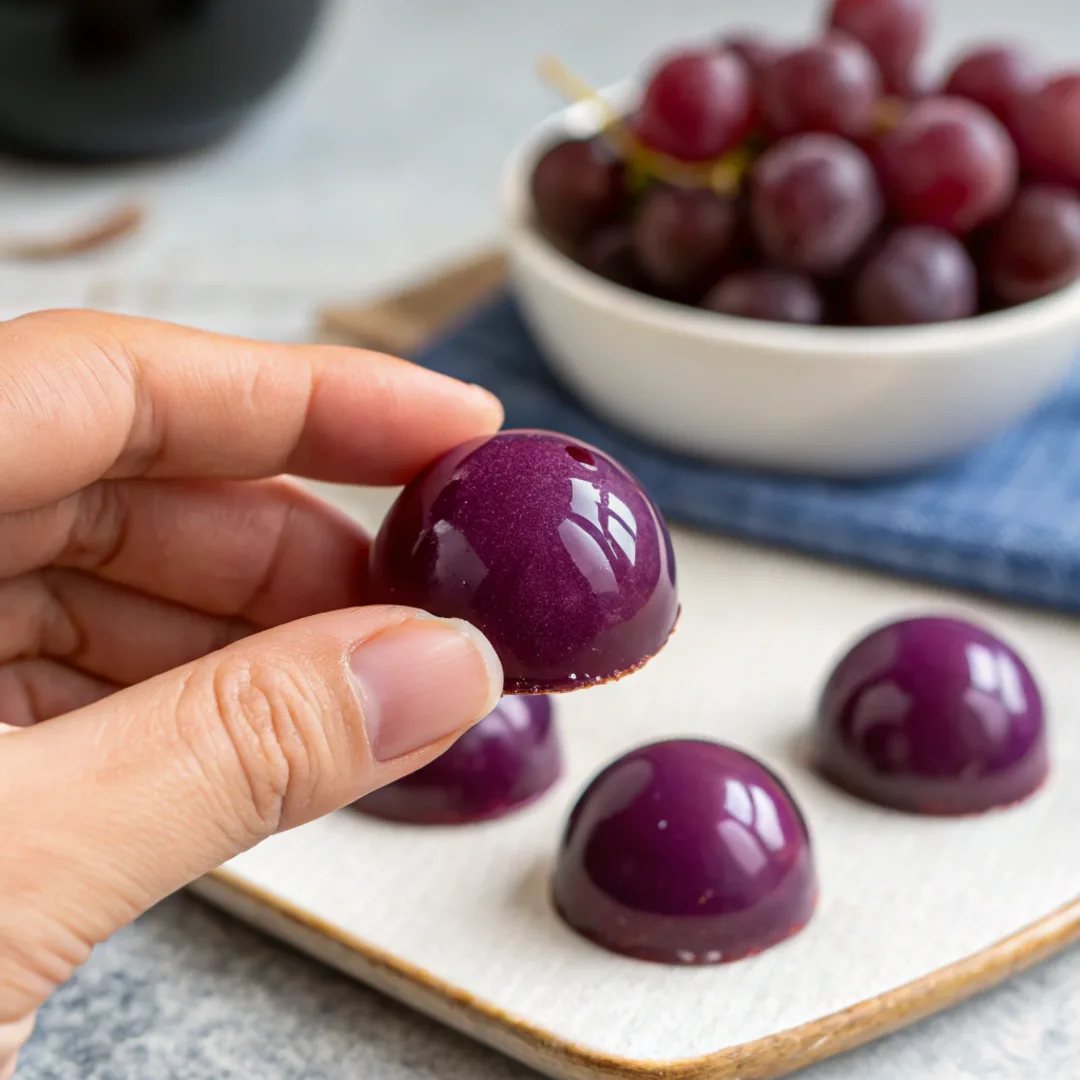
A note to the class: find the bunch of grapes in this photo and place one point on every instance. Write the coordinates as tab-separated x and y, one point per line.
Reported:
829	183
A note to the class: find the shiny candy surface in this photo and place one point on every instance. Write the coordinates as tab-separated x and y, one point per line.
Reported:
934	716
547	545
502	764
686	852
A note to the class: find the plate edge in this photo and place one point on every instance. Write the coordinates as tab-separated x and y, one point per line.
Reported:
767	1058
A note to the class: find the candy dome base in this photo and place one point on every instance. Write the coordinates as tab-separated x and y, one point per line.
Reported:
692	943
928	796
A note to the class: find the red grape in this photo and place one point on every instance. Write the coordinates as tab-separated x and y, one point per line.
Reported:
870	145
997	77
1047	127
893	30
814	202
919	275
683	236
1035	248
576	187
949	163
610	253
755	52
696	105
773	295
832	85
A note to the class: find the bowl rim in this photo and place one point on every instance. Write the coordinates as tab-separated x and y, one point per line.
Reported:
1010	326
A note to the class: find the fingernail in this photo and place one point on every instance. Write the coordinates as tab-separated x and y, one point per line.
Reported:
422	681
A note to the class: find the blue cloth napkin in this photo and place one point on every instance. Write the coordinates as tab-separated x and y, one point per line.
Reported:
1003	521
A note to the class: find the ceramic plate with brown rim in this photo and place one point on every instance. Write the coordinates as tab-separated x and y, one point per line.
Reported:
916	913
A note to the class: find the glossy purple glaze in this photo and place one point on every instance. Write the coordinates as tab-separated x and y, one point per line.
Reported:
547	545
934	716
508	760
686	852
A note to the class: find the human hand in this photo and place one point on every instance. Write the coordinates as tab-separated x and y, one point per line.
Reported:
188	628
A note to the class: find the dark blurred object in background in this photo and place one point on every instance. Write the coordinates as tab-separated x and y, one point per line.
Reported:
99	80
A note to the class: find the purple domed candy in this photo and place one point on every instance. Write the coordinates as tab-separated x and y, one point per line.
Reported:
503	763
686	852
547	545
933	716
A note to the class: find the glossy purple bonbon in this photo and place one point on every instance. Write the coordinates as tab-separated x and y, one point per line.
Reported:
547	545
933	716
505	762
686	852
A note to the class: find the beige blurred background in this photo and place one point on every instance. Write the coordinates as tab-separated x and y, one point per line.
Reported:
382	152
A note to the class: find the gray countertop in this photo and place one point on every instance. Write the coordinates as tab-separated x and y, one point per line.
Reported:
381	156
189	994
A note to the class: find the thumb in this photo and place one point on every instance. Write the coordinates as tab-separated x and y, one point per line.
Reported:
106	810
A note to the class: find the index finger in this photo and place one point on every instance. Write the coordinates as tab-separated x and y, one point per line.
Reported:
85	396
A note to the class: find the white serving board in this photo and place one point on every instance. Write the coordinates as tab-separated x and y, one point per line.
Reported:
458	921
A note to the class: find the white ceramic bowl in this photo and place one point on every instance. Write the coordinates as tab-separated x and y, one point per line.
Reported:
821	400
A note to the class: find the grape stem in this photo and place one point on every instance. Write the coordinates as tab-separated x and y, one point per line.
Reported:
561	79
723	176
888	113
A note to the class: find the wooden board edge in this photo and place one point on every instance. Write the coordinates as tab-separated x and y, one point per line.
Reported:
403	320
763	1059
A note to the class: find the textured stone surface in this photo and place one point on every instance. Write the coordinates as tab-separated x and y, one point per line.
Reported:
189	994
